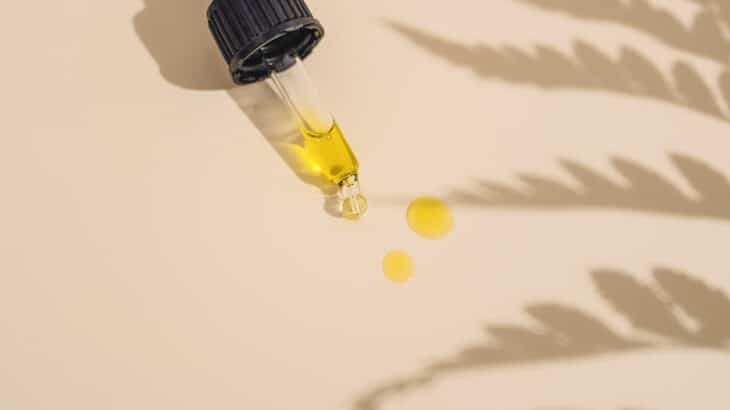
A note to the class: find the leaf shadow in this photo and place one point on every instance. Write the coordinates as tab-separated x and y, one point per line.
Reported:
645	190
587	68
705	36
563	332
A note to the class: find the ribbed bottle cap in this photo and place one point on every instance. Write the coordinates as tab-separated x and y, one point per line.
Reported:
258	36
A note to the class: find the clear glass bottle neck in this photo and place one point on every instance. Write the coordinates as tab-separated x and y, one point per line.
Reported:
297	90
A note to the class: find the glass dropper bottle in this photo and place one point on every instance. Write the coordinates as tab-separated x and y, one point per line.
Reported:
267	40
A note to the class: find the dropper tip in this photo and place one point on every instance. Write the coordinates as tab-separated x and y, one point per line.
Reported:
352	204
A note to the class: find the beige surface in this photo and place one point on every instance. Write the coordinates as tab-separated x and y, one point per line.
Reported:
157	253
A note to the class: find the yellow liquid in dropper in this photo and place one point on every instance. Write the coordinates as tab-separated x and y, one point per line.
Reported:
329	153
330	156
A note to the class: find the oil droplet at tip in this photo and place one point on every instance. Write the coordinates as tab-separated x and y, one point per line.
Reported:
354	208
430	217
352	204
398	266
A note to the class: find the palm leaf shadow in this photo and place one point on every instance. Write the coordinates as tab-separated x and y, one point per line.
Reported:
588	68
646	191
563	332
704	37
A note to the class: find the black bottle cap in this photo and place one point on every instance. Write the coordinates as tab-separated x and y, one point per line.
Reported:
257	37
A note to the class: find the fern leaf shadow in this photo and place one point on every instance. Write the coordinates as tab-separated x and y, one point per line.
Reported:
704	37
561	332
589	68
646	191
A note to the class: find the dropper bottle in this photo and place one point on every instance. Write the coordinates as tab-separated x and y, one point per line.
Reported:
267	40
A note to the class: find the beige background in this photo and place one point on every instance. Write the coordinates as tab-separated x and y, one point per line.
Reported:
157	253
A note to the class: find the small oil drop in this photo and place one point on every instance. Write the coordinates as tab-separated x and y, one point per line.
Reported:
398	266
352	204
430	217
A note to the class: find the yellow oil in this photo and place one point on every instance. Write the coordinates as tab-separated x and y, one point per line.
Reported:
430	217
398	266
329	154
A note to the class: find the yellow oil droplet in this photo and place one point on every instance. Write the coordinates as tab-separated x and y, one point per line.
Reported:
430	217
349	210
398	266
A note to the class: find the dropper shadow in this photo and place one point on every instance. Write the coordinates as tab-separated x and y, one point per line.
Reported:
644	190
588	68
705	37
563	332
176	35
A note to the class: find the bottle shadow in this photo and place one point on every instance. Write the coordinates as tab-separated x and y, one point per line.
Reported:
645	190
588	68
176	35
562	332
705	36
